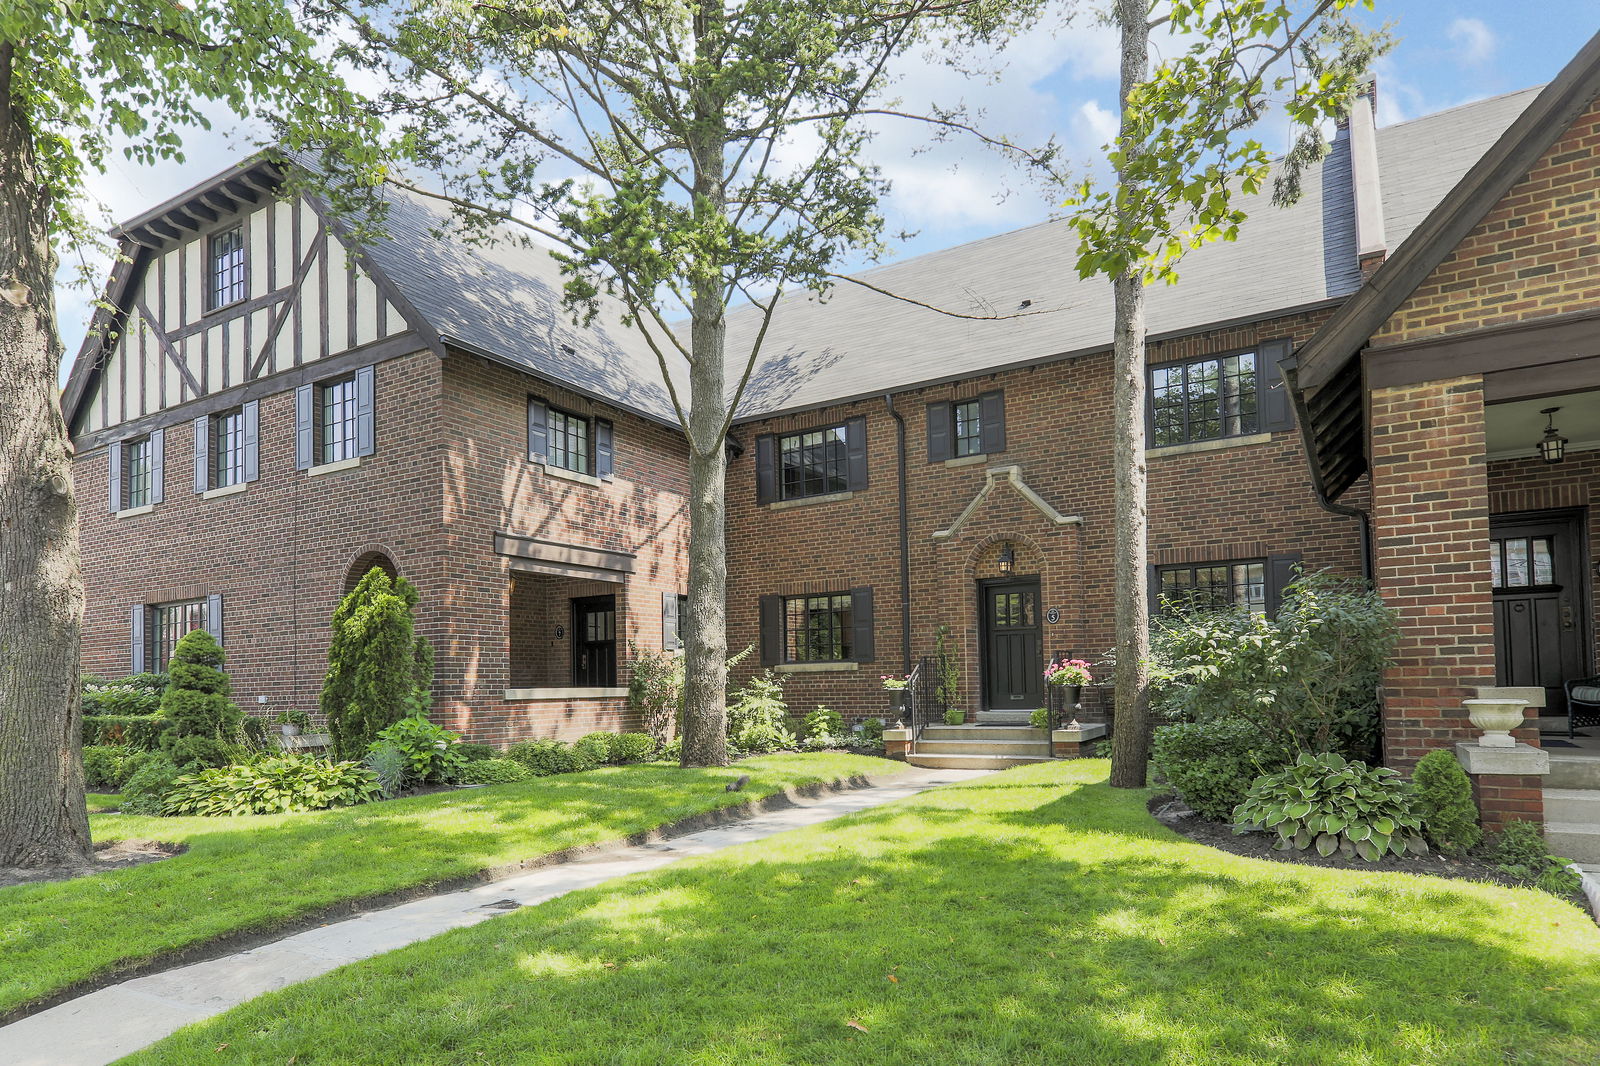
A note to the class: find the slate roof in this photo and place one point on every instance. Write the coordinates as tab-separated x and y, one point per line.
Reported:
856	343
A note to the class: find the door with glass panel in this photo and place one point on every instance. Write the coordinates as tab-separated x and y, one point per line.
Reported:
1013	646
1541	614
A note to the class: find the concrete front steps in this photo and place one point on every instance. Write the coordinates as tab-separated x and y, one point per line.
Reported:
1572	807
979	747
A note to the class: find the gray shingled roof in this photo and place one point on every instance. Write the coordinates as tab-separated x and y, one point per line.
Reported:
857	343
504	301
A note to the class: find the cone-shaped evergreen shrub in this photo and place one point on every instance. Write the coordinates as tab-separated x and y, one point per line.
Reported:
1443	797
196	701
379	670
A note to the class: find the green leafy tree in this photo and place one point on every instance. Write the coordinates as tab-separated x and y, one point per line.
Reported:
1186	150
377	673
655	144
202	722
75	75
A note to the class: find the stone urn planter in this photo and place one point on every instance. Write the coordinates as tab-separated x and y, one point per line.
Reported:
899	700
289	729
1496	719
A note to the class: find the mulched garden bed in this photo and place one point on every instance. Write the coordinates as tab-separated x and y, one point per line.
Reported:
1173	813
108	855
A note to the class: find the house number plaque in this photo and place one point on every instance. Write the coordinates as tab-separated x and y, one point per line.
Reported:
1053	615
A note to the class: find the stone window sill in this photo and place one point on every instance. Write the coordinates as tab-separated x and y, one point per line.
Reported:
572	693
134	512
571	475
816	668
807	501
226	490
1219	444
967	460
334	468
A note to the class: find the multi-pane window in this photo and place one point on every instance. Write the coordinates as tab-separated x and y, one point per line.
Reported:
569	443
227	448
167	624
226	276
1521	562
817	628
968	433
336	420
815	463
136	458
1211	585
1203	399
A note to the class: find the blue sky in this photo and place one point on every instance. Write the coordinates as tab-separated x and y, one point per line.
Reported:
1053	82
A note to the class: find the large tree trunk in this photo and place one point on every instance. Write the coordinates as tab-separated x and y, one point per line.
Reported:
1130	747
43	821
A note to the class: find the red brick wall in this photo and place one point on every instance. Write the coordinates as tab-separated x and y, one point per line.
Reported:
1533	255
1240	501
279	552
1506	798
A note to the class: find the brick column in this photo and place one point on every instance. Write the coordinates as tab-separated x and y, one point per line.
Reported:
1430	516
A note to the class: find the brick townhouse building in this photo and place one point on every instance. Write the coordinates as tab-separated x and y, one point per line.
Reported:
1358	384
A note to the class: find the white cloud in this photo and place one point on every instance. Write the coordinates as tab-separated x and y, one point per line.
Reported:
1475	42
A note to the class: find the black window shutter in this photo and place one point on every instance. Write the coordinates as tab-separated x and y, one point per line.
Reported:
771	630
669	621
538	431
158	463
1153	593
938	432
862	647
855	431
992	422
766	468
1280	572
202	454
114	461
304	426
214	616
366	402
252	440
1272	392
604	451
136	638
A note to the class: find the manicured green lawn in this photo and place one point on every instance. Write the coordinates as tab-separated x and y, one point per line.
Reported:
1035	916
253	873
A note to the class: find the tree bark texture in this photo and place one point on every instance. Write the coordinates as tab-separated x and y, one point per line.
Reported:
1130	744
43	821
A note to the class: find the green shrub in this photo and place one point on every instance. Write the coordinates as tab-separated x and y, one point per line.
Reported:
493	772
192	753
278	784
293	717
543	757
655	689
872	729
431	751
759	738
477	752
254	731
823	723
760	700
632	747
1039	718
105	766
134	696
590	750
1210	765
196	700
954	716
672	750
147	786
140	732
1334	804
947	689
600	744
1519	850
1442	796
388	765
1306	679
379	670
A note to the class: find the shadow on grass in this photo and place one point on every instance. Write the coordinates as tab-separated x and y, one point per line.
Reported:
999	922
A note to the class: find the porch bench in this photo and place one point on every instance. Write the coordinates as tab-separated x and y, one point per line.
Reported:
1583	704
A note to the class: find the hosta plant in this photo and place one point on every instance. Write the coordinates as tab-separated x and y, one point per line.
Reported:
274	785
1333	804
433	753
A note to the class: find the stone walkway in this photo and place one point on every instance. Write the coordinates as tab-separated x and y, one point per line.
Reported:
105	1025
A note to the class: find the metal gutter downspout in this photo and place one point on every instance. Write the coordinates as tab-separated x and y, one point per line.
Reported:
1302	415
905	536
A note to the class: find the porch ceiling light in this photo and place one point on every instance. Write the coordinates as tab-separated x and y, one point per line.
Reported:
1007	558
1553	448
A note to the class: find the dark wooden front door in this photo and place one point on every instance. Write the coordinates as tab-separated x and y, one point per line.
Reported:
594	642
1541	632
1013	646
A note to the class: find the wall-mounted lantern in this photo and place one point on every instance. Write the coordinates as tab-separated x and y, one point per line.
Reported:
1007	558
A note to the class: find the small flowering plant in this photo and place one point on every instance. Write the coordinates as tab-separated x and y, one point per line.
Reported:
1068	672
894	682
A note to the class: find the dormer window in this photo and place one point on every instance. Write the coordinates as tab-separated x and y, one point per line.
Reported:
226	274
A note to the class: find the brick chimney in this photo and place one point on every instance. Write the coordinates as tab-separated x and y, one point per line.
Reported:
1371	246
